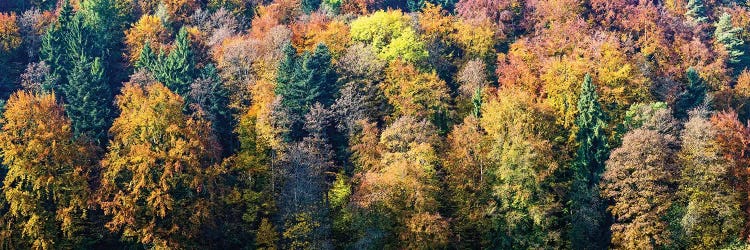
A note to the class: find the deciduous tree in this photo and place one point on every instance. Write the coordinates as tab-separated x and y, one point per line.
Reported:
46	186
390	34
413	93
525	211
639	179
156	179
712	216
402	186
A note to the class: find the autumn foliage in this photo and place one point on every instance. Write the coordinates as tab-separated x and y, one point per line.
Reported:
374	124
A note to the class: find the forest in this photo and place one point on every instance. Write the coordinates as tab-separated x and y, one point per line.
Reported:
375	124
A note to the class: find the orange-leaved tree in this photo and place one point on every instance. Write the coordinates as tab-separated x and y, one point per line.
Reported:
46	185
155	181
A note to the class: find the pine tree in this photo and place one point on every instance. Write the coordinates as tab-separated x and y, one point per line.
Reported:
729	36
588	212
88	100
693	95
696	11
47	181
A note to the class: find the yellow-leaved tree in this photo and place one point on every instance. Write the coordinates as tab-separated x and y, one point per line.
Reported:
46	186
156	177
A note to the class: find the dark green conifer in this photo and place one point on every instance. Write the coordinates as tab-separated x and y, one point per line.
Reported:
588	227
88	99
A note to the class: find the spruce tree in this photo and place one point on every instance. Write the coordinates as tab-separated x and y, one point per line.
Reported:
107	20
88	99
54	49
693	95
176	70
592	140
179	66
310	5
208	93
147	59
729	37
320	75
301	84
587	210
696	12
74	48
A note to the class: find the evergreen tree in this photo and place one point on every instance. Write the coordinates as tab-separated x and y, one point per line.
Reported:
88	99
73	47
310	5
107	20
696	11
414	5
729	36
147	59
175	70
54	50
593	149
588	213
320	75
300	84
212	97
178	67
693	95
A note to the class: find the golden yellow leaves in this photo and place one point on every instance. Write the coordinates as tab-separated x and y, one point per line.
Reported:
10	38
45	166
156	152
414	93
319	29
148	29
